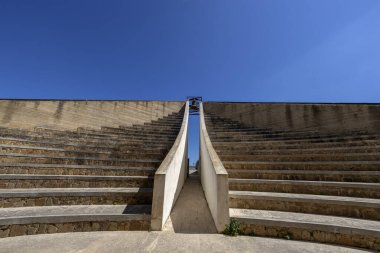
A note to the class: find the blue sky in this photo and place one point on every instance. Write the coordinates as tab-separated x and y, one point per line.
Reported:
241	50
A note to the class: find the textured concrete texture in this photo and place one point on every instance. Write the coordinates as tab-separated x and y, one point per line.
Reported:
115	242
301	116
214	177
191	213
73	114
170	177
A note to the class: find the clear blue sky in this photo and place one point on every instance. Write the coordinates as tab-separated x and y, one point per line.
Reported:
235	50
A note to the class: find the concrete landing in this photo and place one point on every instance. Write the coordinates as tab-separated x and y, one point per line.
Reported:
191	213
130	241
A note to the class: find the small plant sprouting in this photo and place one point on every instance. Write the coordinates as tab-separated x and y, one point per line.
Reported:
289	236
233	229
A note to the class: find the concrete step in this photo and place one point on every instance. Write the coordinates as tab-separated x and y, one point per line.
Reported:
304	157
104	132
79	153
270	134
307	151
75	196
345	139
77	218
86	147
64	169
10	181
86	133
310	227
362	208
288	146
151	133
90	140
30	158
307	175
297	139
349	189
313	165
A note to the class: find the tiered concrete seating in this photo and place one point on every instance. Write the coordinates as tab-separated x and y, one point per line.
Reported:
302	185
54	180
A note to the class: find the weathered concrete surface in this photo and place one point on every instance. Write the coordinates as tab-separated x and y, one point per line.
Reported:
170	177
115	242
191	213
214	178
68	114
301	116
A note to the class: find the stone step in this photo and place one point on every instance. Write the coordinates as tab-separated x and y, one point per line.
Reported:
45	131
274	134
345	139
77	218
75	153
30	158
309	227
288	146
90	140
319	138
10	181
349	189
314	165
307	151
362	208
86	147
74	196
304	157
307	175
133	132
64	169
103	136
145	129
154	127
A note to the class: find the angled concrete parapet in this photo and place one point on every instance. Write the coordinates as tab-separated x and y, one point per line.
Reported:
214	178
170	177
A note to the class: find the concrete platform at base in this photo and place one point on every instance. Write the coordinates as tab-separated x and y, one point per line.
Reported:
131	241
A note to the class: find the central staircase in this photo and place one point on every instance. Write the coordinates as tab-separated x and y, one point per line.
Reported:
302	185
53	180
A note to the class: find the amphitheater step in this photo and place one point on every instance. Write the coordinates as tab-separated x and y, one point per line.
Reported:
31	158
328	165
363	208
291	146
309	227
349	189
89	140
306	151
75	153
77	218
74	196
308	175
95	146
304	157
294	137
9	181
66	169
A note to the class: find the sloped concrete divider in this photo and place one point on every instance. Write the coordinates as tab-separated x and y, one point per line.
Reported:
170	177
214	178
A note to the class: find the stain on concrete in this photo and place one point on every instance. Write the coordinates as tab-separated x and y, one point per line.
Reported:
9	111
59	111
289	118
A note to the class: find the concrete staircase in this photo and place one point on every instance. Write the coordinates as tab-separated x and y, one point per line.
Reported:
52	180
302	185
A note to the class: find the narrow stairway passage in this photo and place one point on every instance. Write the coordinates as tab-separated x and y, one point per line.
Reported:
191	213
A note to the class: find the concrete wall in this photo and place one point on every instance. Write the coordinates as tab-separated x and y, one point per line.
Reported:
301	116
65	114
214	178
170	177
